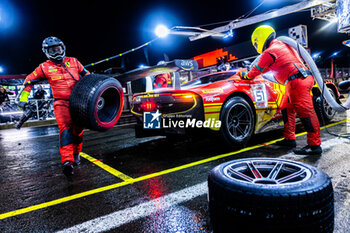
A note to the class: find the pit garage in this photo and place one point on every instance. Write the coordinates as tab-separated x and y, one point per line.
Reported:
132	178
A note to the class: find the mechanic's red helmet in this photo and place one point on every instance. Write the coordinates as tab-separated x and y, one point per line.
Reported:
54	49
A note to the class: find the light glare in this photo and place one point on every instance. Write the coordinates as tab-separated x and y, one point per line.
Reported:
161	31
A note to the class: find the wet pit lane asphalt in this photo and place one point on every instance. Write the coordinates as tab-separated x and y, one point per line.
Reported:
126	184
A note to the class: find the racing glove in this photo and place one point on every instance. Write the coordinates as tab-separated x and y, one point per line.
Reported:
244	75
23	101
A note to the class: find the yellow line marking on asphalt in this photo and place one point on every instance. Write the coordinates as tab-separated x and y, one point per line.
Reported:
142	178
109	169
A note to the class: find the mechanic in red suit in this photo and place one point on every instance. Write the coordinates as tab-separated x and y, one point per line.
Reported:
289	70
62	73
161	80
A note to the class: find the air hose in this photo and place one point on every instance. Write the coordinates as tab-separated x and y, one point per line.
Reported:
315	72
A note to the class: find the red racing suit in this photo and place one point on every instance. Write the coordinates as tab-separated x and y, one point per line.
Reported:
62	78
161	80
285	63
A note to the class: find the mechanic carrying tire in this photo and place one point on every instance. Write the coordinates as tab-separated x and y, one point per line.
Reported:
94	102
62	74
290	71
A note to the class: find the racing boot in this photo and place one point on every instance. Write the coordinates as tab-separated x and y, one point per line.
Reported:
67	168
309	150
76	160
286	143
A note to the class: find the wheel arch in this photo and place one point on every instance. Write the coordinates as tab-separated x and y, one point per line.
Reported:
317	92
244	96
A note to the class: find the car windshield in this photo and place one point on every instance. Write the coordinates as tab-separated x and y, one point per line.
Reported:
209	79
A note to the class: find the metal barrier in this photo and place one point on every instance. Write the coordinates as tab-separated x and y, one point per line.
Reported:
10	113
340	74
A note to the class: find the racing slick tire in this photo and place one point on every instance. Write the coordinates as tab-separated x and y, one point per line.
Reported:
237	121
96	102
324	111
270	195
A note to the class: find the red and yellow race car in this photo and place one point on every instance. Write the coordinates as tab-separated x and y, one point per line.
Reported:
221	102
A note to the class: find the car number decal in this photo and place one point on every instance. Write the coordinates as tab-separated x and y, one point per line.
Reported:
260	97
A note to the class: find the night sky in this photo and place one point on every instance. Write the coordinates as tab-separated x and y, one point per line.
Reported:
93	30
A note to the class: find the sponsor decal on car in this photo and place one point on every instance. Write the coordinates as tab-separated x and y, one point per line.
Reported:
149	95
212	98
213	90
187	64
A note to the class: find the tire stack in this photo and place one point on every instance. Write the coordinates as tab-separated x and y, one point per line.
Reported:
257	203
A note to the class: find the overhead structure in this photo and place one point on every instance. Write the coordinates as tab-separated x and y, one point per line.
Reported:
343	7
194	31
326	11
238	23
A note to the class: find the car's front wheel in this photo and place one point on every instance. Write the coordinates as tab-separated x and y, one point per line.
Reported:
237	121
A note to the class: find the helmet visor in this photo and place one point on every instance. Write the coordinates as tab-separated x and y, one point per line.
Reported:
256	45
55	50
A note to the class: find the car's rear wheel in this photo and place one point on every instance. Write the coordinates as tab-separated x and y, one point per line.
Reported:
324	111
237	121
96	102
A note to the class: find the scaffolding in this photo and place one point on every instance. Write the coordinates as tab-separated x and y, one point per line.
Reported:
238	23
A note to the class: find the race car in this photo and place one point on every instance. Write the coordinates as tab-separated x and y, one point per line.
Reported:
221	102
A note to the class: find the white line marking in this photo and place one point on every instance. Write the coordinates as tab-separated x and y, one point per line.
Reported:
120	217
325	146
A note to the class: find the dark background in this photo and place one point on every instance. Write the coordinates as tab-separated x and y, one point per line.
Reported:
96	29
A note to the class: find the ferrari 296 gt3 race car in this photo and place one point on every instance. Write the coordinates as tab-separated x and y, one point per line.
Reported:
221	102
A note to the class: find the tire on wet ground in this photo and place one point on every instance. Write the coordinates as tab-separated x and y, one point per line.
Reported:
96	102
240	201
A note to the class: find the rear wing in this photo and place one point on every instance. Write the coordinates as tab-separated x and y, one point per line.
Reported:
171	66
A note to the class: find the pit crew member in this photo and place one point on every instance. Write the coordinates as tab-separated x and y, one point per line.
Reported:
62	73
289	70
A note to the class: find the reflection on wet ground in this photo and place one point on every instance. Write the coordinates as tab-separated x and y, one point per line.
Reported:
31	175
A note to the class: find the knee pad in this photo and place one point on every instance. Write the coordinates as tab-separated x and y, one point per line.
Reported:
307	125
